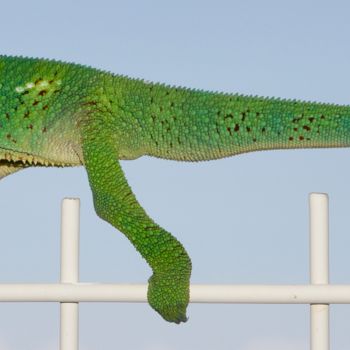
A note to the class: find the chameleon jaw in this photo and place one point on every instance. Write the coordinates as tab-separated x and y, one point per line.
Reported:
11	161
25	159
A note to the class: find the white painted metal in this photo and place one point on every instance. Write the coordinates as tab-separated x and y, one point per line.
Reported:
319	267
69	292
136	293
69	325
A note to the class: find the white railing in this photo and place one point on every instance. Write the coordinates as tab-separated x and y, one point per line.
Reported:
69	292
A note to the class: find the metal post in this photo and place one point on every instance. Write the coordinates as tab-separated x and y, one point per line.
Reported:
319	266
69	331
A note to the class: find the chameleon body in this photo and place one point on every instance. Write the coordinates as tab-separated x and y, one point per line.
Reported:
59	114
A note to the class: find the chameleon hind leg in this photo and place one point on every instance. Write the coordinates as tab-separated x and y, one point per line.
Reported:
168	290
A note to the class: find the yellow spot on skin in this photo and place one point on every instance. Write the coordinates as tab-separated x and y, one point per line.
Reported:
43	83
20	89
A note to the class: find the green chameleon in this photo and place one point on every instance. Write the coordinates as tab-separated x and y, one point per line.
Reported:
59	114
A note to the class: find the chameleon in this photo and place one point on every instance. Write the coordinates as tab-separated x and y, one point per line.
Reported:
61	114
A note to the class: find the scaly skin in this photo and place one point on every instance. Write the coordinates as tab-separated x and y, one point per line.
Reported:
59	114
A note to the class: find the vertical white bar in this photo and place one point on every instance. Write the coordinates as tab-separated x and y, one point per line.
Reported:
319	267
69	330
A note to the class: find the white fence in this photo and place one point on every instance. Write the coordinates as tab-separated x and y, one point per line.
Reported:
69	292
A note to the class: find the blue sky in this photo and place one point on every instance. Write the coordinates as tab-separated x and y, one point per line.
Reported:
242	219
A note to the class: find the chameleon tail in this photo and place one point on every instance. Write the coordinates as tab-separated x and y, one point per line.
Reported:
192	125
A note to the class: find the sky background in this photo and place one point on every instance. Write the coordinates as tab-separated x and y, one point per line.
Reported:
242	219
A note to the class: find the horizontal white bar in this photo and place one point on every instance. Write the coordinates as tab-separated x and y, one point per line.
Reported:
255	294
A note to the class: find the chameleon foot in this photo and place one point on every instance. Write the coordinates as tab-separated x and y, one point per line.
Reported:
169	296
